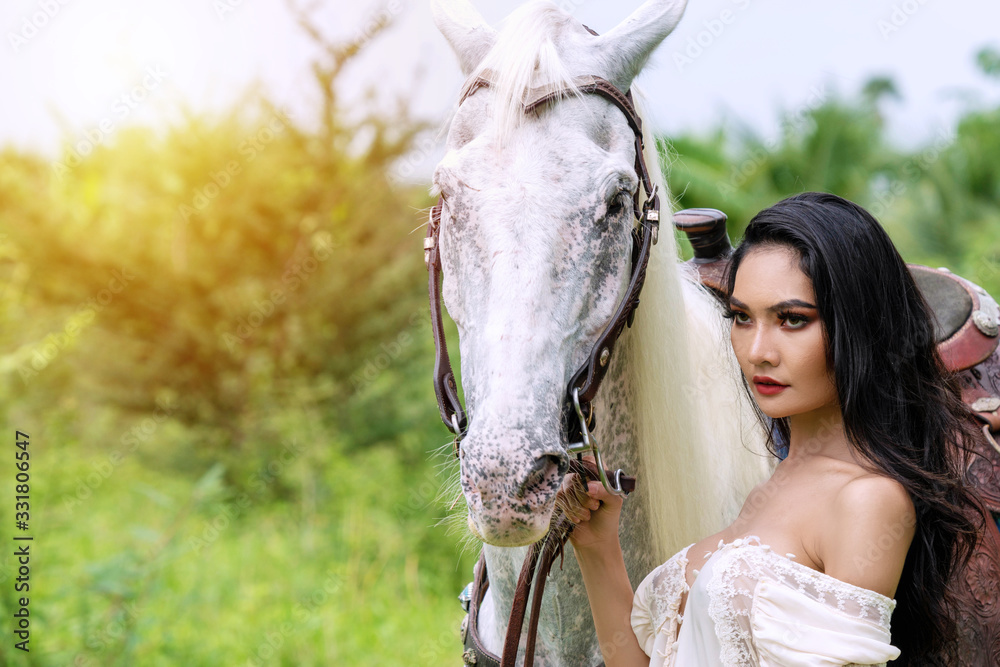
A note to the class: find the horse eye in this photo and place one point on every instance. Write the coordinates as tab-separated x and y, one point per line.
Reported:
618	204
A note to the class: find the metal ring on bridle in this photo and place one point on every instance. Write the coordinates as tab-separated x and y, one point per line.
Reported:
589	446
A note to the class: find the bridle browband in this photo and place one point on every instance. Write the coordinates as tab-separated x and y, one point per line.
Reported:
578	412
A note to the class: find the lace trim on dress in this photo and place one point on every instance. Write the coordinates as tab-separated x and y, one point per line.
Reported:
668	587
744	562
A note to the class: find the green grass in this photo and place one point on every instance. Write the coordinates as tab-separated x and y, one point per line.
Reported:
155	567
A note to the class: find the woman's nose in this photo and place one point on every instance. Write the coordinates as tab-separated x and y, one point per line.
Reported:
762	349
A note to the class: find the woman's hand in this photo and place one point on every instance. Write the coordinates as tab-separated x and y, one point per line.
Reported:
595	512
602	566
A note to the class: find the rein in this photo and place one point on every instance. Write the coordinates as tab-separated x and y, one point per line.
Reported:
578	409
541	557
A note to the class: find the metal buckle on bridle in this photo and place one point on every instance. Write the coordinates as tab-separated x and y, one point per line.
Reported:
589	446
651	213
457	430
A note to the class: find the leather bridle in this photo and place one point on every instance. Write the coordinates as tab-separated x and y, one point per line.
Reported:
578	410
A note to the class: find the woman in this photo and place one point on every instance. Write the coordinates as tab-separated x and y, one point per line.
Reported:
836	348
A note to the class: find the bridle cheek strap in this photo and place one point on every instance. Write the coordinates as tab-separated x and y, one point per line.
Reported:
587	380
445	387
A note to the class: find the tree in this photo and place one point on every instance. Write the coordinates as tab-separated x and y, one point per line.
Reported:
227	268
828	144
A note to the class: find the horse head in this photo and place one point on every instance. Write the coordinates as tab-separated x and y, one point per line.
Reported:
535	239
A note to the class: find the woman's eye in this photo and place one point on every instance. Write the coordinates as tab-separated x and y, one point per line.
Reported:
793	321
740	318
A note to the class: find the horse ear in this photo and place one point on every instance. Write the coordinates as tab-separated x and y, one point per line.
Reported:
465	29
629	44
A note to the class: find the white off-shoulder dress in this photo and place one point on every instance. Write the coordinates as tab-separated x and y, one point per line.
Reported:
749	606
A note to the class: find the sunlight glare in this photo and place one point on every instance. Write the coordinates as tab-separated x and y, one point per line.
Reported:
116	61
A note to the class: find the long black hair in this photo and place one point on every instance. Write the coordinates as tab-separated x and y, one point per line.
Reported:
902	409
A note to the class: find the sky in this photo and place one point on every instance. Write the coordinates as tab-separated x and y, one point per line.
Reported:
74	69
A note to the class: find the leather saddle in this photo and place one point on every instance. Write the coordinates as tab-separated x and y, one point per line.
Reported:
966	328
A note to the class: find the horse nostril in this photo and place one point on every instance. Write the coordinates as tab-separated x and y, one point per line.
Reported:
541	469
560	461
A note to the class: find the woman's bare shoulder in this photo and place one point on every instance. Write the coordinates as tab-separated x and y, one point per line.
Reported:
875	496
871	524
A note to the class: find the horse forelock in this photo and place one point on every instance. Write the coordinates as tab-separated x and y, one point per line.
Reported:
530	51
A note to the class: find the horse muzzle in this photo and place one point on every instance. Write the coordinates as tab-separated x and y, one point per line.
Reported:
510	484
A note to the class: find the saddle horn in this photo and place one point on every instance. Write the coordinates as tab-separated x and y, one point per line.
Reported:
707	233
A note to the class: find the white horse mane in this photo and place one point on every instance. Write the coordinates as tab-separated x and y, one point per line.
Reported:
687	394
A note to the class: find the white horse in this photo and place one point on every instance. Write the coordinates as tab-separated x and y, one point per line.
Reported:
535	245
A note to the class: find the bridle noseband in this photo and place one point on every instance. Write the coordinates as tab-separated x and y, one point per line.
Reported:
578	410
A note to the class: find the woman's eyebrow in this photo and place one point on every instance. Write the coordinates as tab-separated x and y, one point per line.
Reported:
782	305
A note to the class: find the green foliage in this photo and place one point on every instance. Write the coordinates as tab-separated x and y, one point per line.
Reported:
154	568
879	87
988	60
939	202
240	265
830	144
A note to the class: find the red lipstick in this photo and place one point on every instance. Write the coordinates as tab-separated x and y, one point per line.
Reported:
767	386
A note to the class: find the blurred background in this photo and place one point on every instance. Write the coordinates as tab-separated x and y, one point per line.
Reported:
213	305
